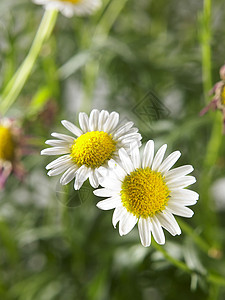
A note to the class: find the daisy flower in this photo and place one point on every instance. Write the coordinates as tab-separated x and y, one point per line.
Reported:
144	190
71	7
12	145
91	147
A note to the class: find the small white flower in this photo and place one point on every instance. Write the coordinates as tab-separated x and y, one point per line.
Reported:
98	140
71	7
145	191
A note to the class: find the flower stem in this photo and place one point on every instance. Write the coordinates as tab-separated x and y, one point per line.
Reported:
206	49
15	85
210	277
177	263
196	238
208	217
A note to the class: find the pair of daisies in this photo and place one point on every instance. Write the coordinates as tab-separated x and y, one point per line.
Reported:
141	187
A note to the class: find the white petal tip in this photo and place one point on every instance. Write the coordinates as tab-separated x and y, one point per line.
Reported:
146	245
162	243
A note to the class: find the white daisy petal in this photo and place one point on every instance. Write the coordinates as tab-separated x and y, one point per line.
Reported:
123	129
64	137
117	169
110	203
135	155
118	214
181	182
127	223
180	210
111	122
68	175
126	161
178	172
55	151
93	120
103	171
128	136
169	162
109	181
81	176
72	128
157	231
158	158
103	116
104	192
148	154
83	121
184	194
134	137
58	170
183	201
56	143
93	179
144	228
60	160
168	221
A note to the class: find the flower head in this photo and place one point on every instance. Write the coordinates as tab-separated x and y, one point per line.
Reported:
144	190
11	144
91	147
71	7
218	101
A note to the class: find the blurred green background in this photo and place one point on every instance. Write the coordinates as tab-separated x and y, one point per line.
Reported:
147	60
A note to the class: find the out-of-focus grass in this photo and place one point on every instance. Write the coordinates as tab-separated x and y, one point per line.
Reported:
144	60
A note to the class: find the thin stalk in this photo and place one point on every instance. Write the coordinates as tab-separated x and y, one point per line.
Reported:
215	279
206	48
177	263
203	245
212	148
15	85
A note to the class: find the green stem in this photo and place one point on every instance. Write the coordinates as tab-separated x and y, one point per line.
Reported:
196	238
177	263
213	146
206	49
210	277
208	218
15	85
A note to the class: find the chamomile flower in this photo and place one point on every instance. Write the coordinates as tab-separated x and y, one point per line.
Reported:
71	7
146	191
91	147
12	145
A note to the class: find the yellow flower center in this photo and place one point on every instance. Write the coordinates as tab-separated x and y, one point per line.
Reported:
223	95
6	144
71	1
93	149
144	193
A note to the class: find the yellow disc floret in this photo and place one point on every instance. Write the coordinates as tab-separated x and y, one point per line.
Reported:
71	1
144	193
93	149
6	144
223	95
